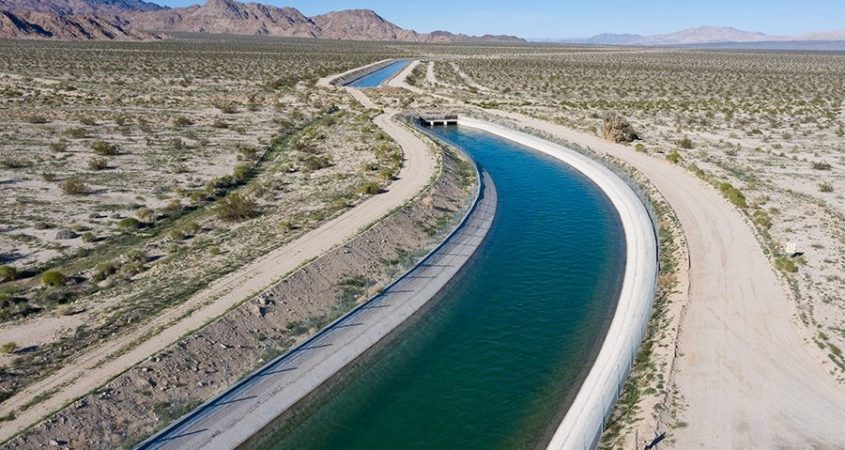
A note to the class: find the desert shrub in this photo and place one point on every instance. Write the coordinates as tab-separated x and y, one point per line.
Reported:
48	176
248	152
73	186
98	163
313	162
8	273
821	165
369	188
105	270
241	171
144	214
640	148
618	129
104	148
13	163
77	133
8	347
733	195
59	146
177	234
88	237
182	122
762	219
174	207
129	223
673	156
785	264
685	143
88	121
227	107
37	119
235	207
825	187
53	278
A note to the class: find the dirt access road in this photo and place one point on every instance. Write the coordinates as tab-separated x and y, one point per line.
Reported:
97	366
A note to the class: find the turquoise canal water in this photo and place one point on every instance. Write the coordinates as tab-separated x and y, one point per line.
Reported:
494	364
378	77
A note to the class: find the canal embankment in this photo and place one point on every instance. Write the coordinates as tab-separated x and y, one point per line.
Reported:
256	403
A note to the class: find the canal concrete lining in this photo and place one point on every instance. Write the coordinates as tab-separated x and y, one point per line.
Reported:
249	406
584	421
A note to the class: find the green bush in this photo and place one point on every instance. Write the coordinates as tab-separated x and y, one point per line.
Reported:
59	147
73	186
313	163
53	278
182	122
144	214
241	171
821	165
825	187
8	347
235	207
673	157
8	273
685	143
369	188
103	148
128	224
785	264
98	163
733	195
77	133
104	270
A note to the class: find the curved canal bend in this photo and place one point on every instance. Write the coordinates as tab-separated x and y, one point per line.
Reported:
496	362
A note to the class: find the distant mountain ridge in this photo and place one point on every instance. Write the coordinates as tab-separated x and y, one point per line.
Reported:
224	17
49	25
703	35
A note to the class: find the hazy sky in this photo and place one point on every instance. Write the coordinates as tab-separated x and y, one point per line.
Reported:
568	18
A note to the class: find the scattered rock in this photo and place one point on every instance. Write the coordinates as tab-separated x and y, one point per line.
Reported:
66	234
618	129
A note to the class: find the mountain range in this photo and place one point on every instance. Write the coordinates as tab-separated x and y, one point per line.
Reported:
139	19
700	36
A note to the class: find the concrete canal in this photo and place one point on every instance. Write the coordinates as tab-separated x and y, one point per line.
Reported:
495	363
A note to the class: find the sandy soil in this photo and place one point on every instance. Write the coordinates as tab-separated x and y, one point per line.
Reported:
203	364
747	375
93	368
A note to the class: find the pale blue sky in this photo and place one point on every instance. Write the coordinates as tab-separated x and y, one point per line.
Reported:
567	18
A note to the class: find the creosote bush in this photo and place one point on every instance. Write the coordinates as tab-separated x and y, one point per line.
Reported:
786	264
8	347
618	129
53	278
369	188
73	186
104	148
8	273
733	195
825	187
234	207
98	163
673	156
128	224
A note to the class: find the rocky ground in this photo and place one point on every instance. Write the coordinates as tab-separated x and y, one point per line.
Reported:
171	383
